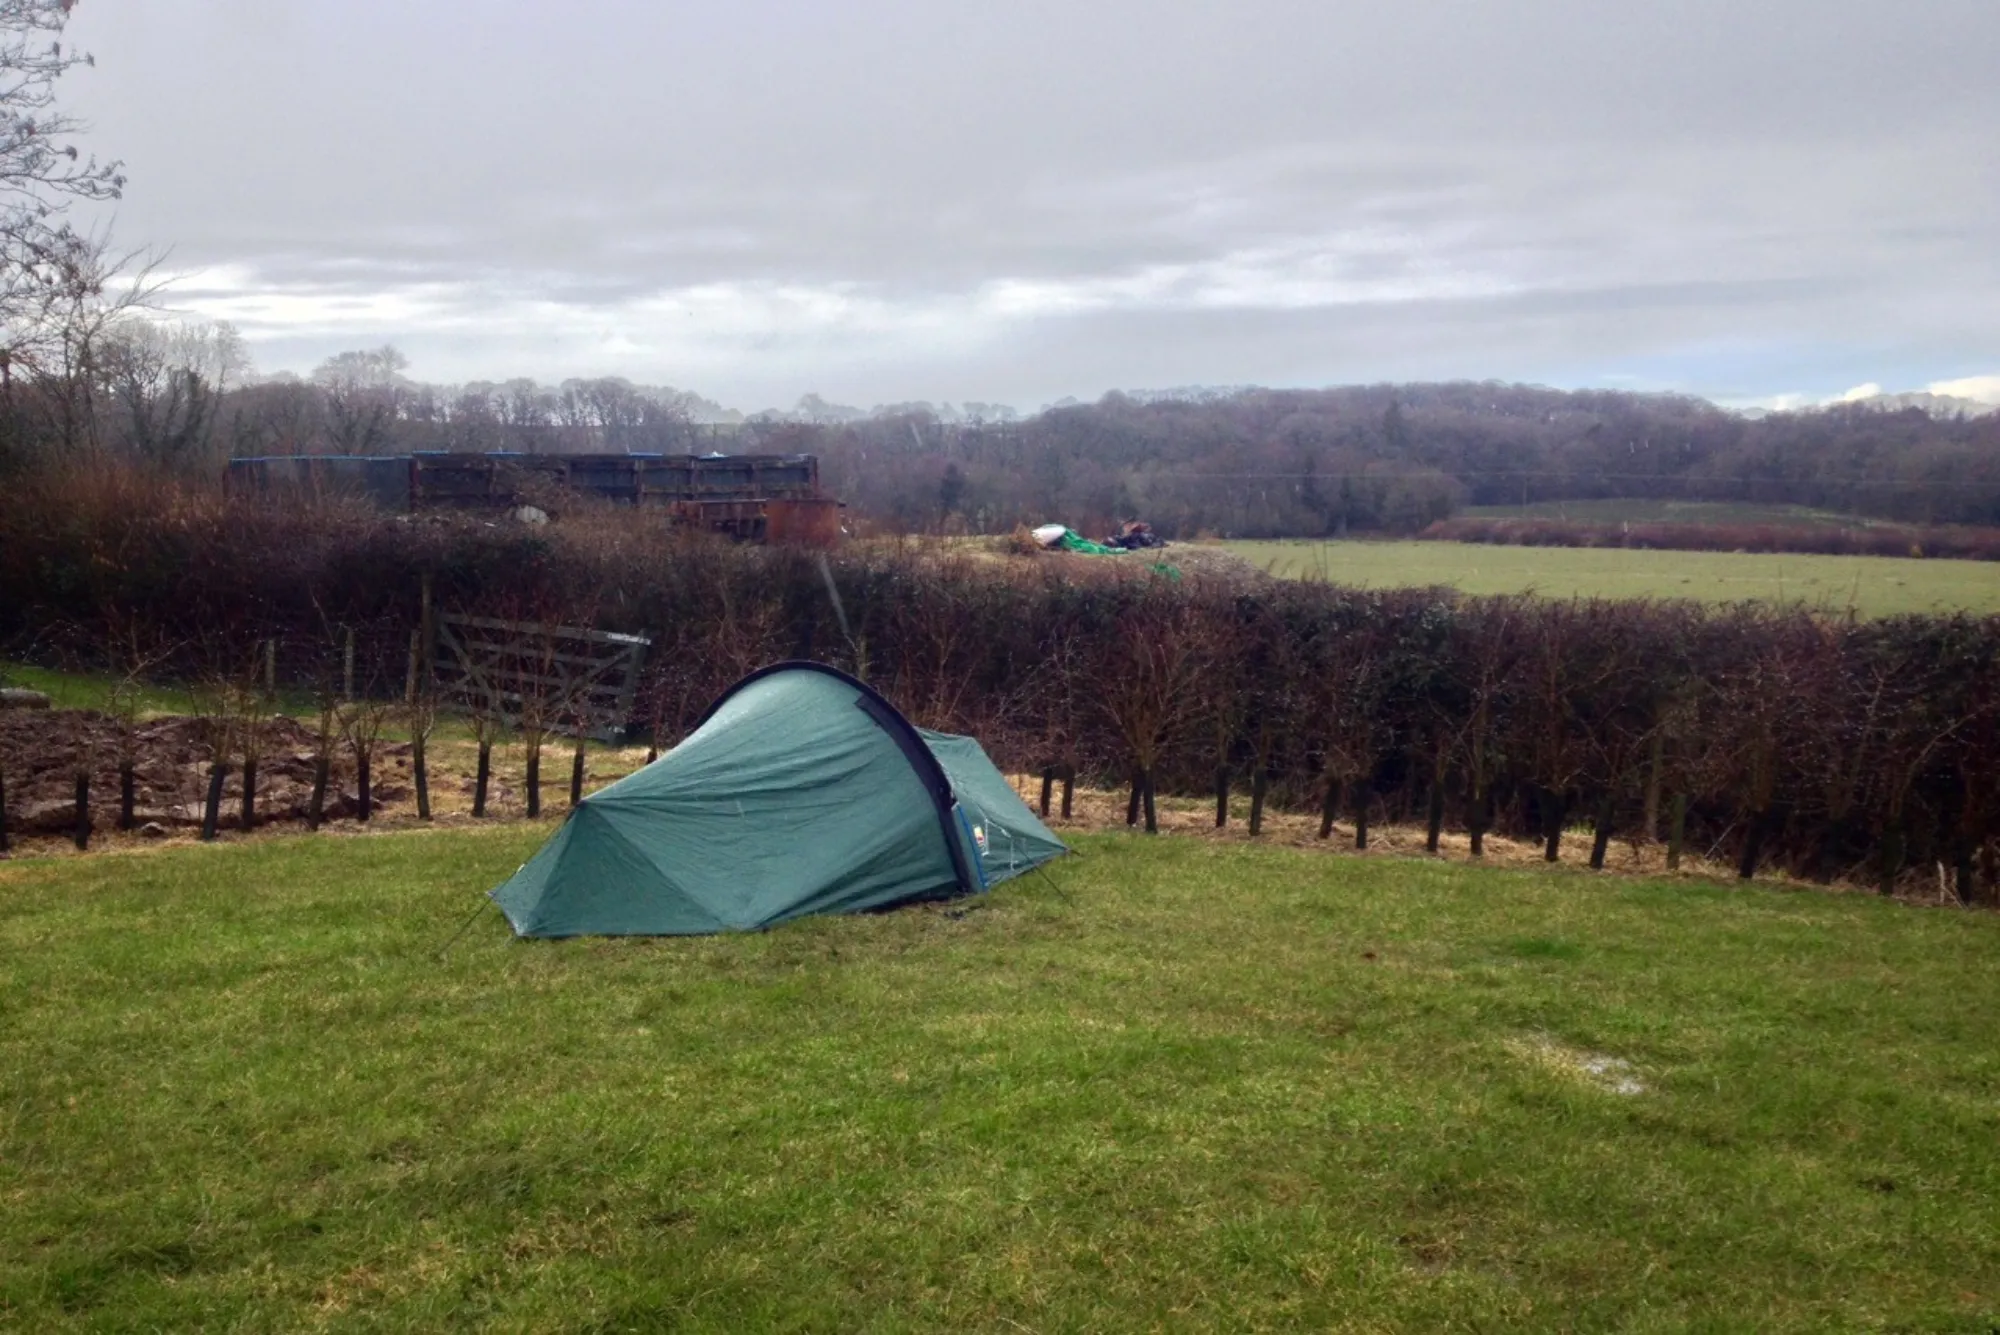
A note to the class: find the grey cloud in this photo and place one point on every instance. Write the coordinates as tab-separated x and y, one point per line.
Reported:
1617	190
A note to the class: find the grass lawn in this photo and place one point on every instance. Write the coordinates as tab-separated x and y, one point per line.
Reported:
1874	585
93	690
1191	1086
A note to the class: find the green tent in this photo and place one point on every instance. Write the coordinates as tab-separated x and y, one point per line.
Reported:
802	791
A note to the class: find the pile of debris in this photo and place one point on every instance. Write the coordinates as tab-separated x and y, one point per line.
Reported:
1133	535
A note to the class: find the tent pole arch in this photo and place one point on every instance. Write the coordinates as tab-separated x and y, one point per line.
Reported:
937	785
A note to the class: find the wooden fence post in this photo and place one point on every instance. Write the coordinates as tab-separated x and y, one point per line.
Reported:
1329	807
1554	810
211	810
420	773
482	777
82	833
1600	840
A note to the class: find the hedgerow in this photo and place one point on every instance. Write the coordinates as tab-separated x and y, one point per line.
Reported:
1828	746
1958	543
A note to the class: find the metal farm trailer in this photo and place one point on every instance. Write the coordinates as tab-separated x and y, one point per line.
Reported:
751	497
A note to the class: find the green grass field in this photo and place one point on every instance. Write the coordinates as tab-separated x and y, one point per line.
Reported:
1630	510
1189	1086
93	690
1873	585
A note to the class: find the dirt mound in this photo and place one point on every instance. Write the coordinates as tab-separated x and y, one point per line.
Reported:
42	751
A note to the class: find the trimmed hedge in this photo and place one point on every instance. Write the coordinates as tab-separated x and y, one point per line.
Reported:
1830	747
1966	544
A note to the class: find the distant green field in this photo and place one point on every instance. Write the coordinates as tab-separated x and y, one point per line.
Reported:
1667	512
1184	1085
1872	585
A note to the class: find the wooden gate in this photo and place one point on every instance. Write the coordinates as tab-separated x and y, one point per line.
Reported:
557	678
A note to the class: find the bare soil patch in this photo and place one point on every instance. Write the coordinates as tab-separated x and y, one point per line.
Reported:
42	751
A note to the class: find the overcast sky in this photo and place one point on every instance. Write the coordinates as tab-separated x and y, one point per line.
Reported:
884	200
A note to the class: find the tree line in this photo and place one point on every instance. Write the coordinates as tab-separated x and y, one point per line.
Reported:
130	390
1395	458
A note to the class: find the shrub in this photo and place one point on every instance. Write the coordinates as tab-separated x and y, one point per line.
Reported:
1828	746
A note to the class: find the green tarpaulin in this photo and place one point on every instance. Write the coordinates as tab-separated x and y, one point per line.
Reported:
1072	541
802	792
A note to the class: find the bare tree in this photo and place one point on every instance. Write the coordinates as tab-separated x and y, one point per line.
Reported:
1902	735
933	676
1258	675
542	704
1066	666
362	392
278	415
326	730
1344	719
165	382
487	715
41	172
215	702
1486	647
1765	703
527	411
138	653
361	722
1151	688
1228	703
1570	658
420	710
85	289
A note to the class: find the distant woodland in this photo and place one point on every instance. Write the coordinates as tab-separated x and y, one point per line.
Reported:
93	380
132	391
